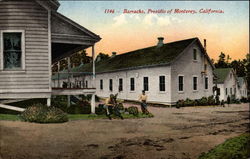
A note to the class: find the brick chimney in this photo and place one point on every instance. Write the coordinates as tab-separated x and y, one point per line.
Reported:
160	41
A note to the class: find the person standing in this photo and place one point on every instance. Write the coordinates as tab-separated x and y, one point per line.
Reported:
143	99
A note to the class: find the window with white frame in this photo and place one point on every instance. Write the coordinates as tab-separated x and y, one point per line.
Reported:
132	84
195	81
226	91
145	83
101	84
12	52
120	87
110	84
206	82
195	54
181	82
162	83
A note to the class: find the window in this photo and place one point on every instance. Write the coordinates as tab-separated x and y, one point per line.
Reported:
145	83
195	79
86	85
230	91
120	85
205	67
206	82
194	54
181	82
226	91
12	54
110	84
132	84
162	83
101	84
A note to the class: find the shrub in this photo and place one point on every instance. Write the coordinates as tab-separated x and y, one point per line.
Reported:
189	102
202	101
100	110
211	100
42	114
244	100
82	107
133	110
180	103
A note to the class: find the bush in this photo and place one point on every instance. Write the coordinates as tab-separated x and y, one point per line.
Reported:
202	101
244	100
211	100
189	102
42	114
100	110
133	110
180	103
82	107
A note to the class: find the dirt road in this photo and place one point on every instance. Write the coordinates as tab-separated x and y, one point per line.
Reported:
172	134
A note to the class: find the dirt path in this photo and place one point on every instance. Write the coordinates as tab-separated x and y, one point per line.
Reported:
172	134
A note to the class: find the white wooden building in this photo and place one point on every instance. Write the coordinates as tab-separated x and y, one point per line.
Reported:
33	35
167	72
229	84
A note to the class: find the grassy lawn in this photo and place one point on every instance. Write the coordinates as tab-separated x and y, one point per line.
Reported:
11	117
234	148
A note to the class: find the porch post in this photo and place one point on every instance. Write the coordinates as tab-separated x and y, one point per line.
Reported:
69	69
58	70
93	81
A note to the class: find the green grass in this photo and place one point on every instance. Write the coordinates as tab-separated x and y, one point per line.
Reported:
234	148
11	117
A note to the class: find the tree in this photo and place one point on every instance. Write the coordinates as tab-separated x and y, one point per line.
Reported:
222	63
102	56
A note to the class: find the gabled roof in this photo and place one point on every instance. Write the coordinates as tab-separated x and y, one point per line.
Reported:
141	58
146	57
222	74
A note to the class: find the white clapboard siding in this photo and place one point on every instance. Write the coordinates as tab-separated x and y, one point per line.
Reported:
33	19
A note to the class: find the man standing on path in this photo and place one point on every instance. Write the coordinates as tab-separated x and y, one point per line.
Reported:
143	99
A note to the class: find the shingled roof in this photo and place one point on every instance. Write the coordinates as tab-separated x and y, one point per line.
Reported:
146	57
142	58
221	74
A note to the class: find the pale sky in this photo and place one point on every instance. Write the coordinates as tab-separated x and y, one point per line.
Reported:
225	32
